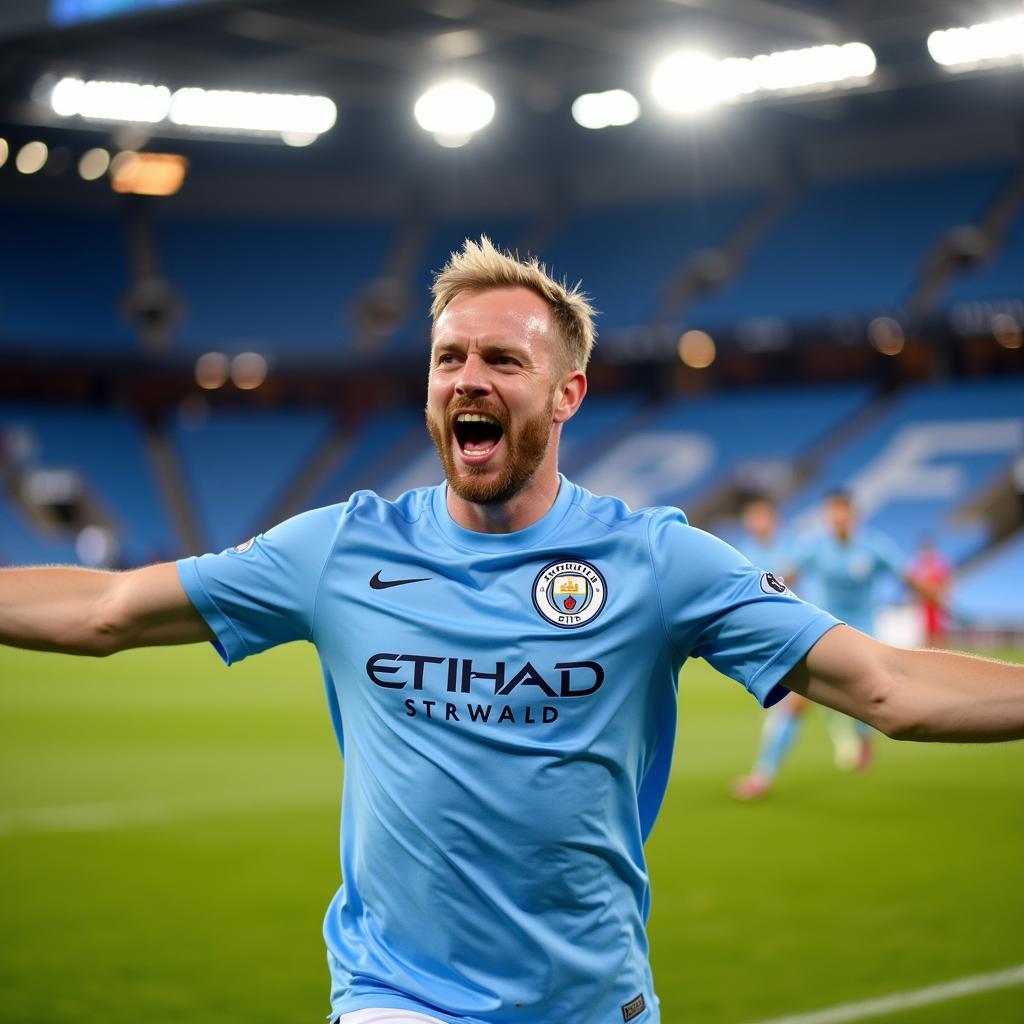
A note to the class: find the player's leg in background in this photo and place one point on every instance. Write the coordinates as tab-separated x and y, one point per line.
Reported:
852	742
781	728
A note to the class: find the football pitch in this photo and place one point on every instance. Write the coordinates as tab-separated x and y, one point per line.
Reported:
168	845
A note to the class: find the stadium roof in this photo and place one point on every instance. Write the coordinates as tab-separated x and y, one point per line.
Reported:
535	58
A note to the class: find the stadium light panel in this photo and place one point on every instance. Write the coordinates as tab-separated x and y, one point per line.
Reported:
299	120
147	174
110	101
989	43
690	83
608	109
454	112
5	151
31	157
263	112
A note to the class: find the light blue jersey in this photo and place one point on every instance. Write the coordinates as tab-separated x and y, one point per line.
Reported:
509	710
847	573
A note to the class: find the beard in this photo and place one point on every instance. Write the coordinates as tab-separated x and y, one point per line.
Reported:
524	452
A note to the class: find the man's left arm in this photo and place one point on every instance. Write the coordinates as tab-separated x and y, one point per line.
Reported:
913	695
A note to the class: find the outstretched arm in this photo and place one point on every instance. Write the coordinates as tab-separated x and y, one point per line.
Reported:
913	695
85	611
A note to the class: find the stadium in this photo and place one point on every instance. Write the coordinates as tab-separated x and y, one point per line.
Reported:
802	226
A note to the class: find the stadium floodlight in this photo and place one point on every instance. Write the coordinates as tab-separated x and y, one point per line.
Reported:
212	370
454	112
608	109
697	350
32	157
887	335
93	164
988	43
110	101
5	151
263	112
690	83
248	371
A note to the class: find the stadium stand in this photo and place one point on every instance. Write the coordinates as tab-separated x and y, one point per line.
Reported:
923	458
687	447
990	593
106	447
24	543
82	253
384	443
290	288
852	247
238	465
1000	279
626	254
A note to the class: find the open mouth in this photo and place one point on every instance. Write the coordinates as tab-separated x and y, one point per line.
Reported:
477	434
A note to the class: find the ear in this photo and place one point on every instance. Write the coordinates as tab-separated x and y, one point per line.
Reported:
569	395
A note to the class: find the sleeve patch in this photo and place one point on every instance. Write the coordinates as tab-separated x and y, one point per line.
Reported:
772	584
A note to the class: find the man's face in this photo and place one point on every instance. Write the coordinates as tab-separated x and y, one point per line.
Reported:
839	515
760	520
490	397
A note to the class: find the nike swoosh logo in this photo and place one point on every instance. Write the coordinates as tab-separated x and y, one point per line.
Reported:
378	584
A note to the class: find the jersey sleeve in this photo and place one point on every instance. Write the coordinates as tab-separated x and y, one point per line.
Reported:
263	593
719	607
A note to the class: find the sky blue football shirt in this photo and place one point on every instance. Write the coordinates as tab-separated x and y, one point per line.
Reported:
847	573
506	706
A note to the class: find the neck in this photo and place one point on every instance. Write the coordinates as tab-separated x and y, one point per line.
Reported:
524	509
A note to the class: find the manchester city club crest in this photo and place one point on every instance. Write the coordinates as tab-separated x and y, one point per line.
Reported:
569	593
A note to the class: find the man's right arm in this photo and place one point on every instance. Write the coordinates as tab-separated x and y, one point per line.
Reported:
86	611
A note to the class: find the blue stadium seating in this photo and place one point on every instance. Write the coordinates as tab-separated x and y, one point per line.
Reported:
854	247
23	543
286	287
1001	279
238	466
689	446
383	445
106	447
924	457
991	594
625	254
80	258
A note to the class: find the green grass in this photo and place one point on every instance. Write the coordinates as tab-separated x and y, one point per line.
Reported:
208	910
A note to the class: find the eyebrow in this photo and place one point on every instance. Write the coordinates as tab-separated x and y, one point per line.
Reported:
488	348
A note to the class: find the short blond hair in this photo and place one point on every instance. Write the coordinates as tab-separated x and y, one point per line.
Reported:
479	266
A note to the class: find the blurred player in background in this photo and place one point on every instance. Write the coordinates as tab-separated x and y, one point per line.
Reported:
847	561
762	543
932	572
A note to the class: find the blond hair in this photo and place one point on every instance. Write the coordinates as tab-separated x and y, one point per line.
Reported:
479	266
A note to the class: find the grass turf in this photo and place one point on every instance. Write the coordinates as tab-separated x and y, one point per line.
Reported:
186	869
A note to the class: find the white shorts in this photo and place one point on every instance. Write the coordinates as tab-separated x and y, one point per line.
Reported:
386	1017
